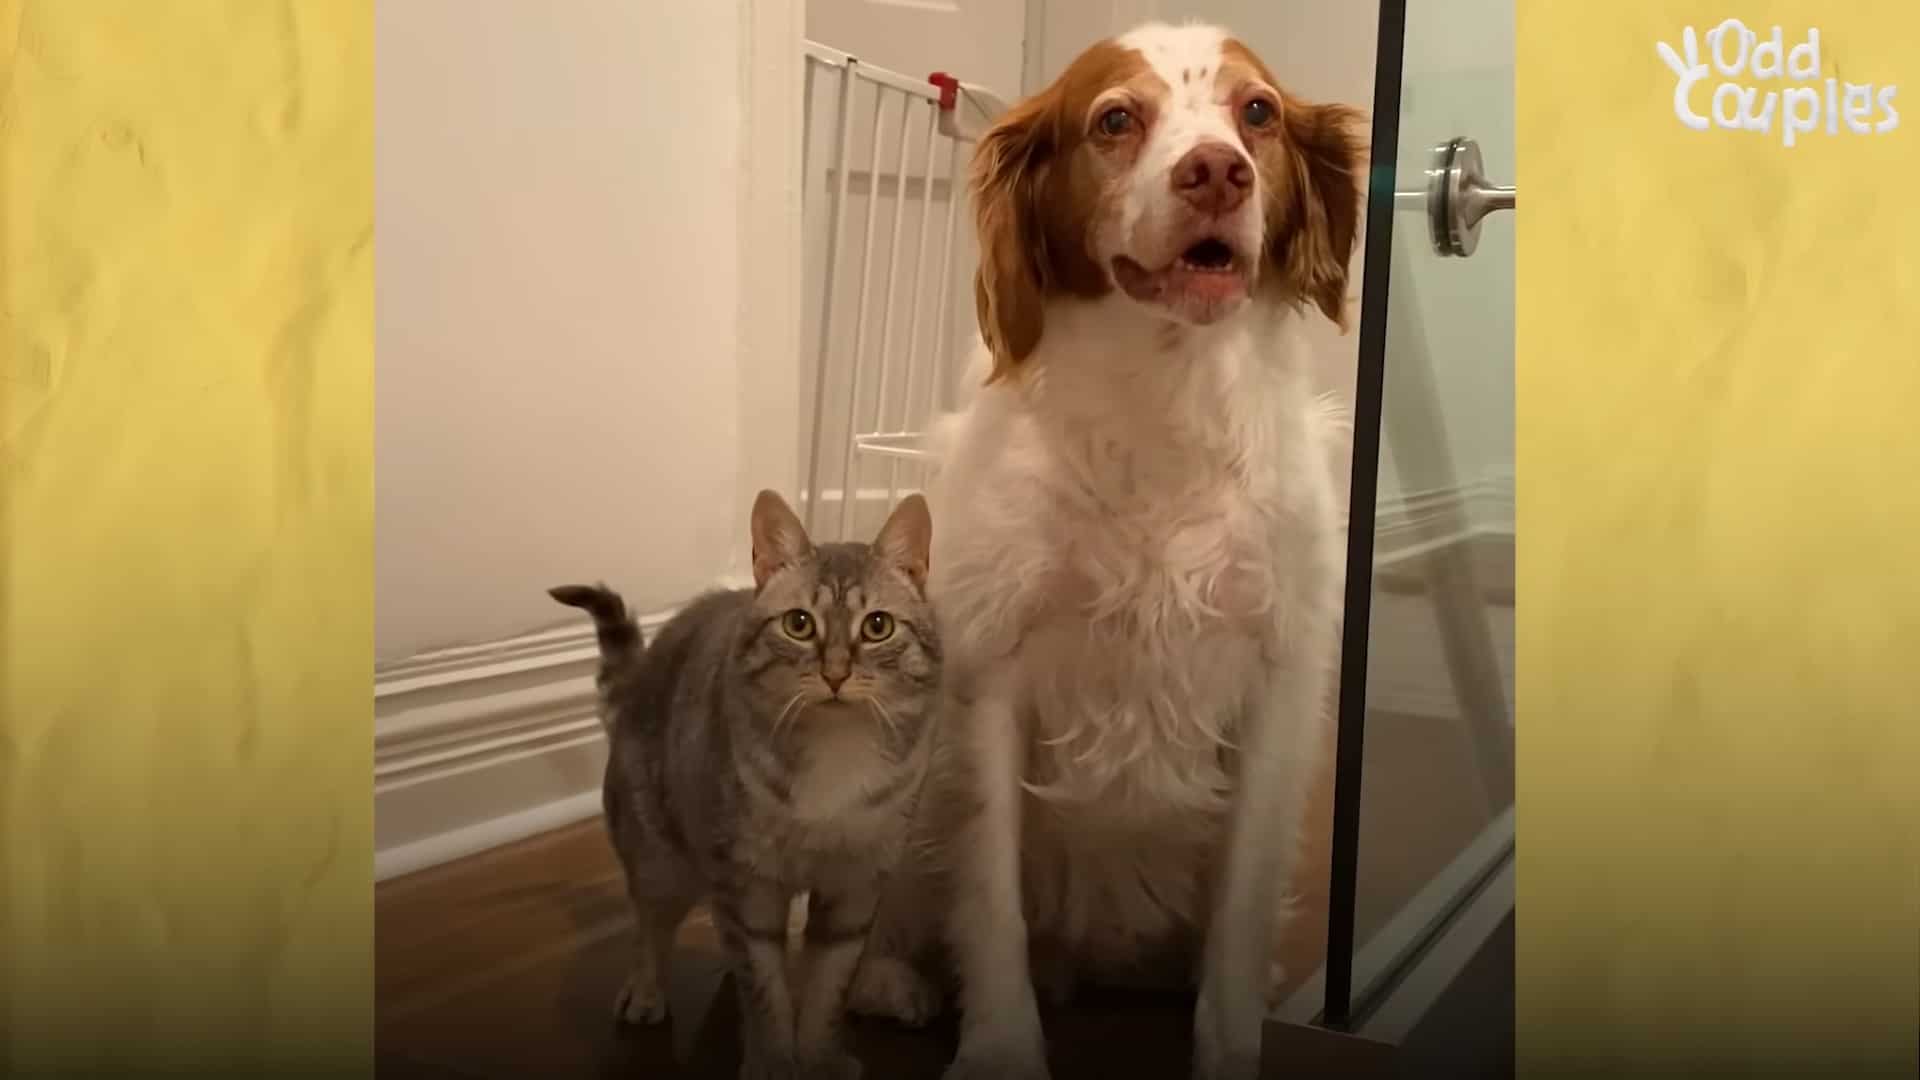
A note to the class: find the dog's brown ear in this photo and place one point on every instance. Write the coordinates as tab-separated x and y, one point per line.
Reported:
1009	289
1319	222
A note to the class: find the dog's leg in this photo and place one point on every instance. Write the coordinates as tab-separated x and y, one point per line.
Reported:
1000	1035
1278	741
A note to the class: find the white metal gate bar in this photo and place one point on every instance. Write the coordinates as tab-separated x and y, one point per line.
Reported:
890	425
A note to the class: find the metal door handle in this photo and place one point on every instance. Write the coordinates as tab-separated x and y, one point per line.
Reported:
1458	197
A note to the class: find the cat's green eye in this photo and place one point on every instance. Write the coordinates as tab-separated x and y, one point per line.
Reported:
797	625
876	627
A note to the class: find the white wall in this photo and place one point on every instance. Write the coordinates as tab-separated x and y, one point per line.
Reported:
558	307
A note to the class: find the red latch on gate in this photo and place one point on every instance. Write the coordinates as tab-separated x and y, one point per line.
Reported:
949	89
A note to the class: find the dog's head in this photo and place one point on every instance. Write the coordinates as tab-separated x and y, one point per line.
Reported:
1168	166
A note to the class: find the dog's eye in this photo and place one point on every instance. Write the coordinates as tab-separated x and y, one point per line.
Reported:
876	627
1116	122
1257	113
797	625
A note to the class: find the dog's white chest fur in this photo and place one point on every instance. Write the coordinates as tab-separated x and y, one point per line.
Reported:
1142	637
1146	561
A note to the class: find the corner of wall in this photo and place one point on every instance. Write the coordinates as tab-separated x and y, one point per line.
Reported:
772	123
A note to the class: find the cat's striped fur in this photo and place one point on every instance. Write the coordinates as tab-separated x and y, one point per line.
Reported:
618	634
770	742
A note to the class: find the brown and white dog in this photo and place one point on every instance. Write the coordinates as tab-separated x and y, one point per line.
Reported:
1138	554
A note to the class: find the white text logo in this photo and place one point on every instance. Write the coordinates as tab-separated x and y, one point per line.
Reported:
1738	55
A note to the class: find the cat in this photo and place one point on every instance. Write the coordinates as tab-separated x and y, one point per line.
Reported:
770	742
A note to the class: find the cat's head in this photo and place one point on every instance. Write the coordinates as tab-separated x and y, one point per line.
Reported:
844	623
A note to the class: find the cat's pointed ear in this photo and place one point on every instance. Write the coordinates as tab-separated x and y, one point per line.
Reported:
906	540
778	537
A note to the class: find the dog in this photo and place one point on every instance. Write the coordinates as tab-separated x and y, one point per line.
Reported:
1139	555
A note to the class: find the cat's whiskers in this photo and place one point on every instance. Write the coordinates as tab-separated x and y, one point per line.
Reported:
886	716
788	710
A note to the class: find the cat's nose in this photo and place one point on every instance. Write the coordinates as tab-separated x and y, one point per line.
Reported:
835	666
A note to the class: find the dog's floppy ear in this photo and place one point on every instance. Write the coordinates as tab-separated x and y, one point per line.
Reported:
1320	221
1009	289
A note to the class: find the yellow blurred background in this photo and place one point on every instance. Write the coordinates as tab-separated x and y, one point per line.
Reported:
186	327
1719	607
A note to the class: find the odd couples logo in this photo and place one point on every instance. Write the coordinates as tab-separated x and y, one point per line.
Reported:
1739	55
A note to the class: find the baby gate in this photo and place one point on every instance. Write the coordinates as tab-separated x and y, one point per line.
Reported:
880	350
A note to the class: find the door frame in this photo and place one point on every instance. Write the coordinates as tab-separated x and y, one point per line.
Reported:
772	72
1448	924
1362	497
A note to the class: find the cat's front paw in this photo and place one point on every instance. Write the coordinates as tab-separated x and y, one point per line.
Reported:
975	1068
833	1065
1056	978
891	989
641	1002
998	1060
768	1068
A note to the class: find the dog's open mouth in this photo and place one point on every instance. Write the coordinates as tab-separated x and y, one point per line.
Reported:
1200	282
1209	256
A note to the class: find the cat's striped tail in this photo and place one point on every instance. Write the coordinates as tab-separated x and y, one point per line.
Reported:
614	626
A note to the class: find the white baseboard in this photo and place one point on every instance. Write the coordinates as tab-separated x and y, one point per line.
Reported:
459	841
1411	524
482	745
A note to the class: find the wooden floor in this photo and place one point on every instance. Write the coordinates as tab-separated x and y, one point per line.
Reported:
506	964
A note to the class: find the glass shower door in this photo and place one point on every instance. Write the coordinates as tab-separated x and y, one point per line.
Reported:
1423	815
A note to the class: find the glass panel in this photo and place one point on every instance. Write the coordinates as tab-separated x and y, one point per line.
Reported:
1436	788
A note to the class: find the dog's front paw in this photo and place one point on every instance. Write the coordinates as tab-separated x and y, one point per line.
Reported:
1276	985
641	1002
1225	1047
1226	1065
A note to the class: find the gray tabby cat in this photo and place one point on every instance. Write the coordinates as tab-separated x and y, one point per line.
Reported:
772	741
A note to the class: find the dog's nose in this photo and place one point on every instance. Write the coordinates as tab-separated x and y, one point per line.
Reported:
1213	178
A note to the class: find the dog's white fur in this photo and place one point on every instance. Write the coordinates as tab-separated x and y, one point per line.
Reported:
1137	564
